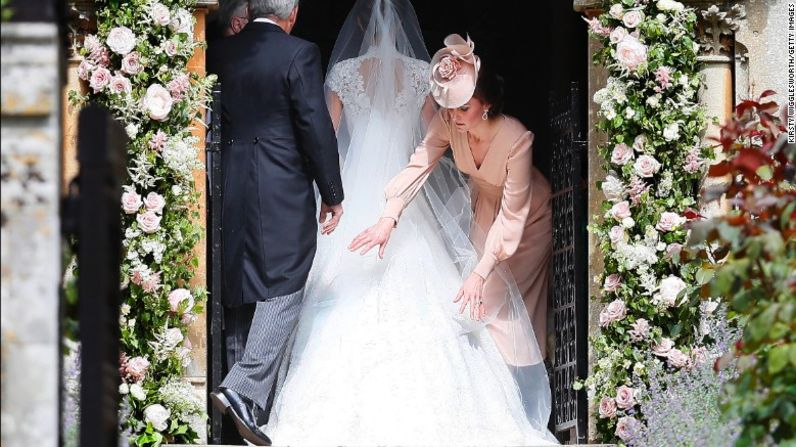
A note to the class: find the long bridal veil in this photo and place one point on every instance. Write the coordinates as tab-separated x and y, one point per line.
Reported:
380	63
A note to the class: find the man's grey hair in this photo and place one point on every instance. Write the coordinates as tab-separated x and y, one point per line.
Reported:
231	8
266	8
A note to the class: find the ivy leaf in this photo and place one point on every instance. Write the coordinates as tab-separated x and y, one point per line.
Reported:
777	359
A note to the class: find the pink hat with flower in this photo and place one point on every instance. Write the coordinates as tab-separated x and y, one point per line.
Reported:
454	72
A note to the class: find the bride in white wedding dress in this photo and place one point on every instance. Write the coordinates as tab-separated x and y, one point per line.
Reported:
381	355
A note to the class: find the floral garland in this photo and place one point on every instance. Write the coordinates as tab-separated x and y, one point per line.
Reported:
655	160
136	66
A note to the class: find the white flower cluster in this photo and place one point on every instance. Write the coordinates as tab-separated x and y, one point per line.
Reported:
180	156
180	397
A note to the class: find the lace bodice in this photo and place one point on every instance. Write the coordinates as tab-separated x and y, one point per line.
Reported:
346	79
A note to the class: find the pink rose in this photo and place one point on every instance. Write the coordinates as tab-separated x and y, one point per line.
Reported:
160	14
148	222
617	35
170	48
448	68
607	408
677	359
626	428
693	161
615	311
131	63
673	250
669	221
631	53
151	283
121	40
639	143
612	282
131	202
100	79
157	102
663	348
620	210
640	331
177	296
84	70
100	56
158	141
636	189
120	84
136	369
633	19
621	154
646	166
625	397
154	202
617	235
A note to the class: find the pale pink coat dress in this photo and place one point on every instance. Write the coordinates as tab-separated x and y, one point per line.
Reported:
511	208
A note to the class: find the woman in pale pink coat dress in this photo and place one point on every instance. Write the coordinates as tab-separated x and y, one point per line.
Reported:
512	224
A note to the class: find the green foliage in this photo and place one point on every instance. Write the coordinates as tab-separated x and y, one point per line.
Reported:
755	242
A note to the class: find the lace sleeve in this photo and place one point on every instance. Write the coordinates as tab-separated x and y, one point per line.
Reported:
421	74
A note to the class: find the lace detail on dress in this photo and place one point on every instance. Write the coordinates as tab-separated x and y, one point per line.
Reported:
346	79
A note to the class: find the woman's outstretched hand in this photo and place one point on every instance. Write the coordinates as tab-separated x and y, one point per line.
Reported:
472	293
378	234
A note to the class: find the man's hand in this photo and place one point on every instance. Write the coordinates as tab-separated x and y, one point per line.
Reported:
328	225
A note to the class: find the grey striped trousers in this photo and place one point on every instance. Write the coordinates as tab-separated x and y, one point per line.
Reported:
273	322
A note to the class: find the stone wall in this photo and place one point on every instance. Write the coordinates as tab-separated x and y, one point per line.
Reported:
30	235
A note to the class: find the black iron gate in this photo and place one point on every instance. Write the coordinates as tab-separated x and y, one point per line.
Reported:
569	270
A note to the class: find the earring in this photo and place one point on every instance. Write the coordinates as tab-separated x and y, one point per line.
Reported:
485	115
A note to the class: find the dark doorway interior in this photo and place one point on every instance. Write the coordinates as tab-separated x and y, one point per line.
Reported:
540	50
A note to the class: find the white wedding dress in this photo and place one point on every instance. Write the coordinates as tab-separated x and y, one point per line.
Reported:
380	355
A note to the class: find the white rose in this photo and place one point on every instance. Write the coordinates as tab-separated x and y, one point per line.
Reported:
671	132
157	102
674	249
663	348
131	202
155	202
613	188
617	34
160	14
640	142
633	19
125	309
630	113
609	113
669	289
124	389
646	166
132	130
174	336
148	222
669	221
620	210
617	11
621	154
628	222
138	392
614	311
631	53
670	5
182	22
617	235
625	397
121	40
654	101
157	415
176	190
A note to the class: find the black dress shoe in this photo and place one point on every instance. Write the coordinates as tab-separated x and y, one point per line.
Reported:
240	409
